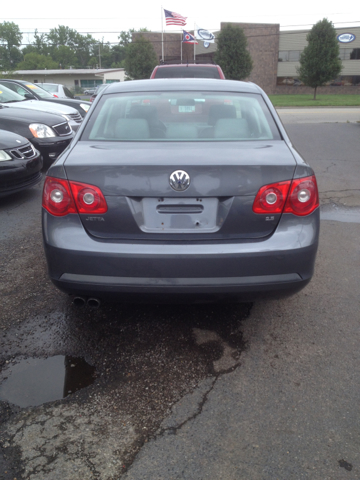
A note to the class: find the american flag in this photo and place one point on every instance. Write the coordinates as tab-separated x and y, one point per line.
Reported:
172	18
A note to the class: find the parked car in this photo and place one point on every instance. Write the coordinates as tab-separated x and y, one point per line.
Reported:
14	100
20	164
188	70
181	187
50	134
32	91
98	89
58	90
89	91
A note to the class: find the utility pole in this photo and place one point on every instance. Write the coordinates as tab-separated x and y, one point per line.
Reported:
99	57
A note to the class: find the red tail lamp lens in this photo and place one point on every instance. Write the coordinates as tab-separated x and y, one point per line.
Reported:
299	197
303	197
57	198
88	198
61	197
271	198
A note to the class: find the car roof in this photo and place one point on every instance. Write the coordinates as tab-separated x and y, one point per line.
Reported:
201	84
210	65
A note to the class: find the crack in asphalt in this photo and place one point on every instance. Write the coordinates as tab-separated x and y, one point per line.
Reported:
341	191
174	430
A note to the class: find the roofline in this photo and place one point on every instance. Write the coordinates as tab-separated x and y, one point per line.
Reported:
69	71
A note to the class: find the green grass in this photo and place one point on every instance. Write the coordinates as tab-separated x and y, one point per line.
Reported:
321	100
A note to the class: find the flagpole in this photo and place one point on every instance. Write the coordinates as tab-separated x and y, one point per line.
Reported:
194	44
162	35
182	35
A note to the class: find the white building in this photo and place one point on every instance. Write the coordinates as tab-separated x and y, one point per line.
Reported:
74	79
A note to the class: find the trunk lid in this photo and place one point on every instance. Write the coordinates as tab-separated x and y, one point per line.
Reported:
224	179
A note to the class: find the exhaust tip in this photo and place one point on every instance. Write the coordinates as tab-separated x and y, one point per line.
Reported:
79	301
93	302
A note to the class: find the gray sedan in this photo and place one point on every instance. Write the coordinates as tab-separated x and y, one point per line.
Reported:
181	188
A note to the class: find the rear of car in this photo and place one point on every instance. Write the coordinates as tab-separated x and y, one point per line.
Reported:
57	90
188	70
181	187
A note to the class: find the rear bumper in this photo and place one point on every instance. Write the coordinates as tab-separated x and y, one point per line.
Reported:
279	265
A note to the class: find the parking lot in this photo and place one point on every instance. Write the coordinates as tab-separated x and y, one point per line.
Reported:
237	391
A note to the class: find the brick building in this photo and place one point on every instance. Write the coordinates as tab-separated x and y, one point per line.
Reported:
275	56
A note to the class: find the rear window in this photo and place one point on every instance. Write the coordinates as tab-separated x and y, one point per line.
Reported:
181	117
39	90
187	72
49	87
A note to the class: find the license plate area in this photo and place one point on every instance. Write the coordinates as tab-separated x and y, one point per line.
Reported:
174	215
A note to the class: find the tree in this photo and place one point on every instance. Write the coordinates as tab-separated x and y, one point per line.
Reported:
10	38
125	37
64	56
319	61
140	59
80	48
232	54
35	61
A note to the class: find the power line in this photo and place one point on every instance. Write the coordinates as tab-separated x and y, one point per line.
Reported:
175	31
165	41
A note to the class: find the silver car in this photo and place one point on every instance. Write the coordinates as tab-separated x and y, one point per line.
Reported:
14	100
181	188
58	90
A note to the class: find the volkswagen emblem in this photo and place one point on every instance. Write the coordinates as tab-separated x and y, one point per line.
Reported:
179	180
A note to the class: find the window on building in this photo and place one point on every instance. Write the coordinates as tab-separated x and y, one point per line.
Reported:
289	55
294	55
283	56
355	54
344	53
90	83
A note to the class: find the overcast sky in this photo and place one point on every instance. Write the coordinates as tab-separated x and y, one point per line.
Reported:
103	17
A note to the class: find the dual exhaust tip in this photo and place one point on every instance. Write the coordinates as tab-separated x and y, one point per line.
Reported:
90	302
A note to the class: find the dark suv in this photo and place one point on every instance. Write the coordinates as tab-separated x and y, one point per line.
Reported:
188	70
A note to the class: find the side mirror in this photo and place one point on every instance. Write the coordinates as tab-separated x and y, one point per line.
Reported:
29	96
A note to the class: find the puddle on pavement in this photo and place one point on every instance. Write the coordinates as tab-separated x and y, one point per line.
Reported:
340	213
33	381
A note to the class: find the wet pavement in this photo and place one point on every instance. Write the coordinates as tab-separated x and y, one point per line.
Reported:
340	213
256	391
27	382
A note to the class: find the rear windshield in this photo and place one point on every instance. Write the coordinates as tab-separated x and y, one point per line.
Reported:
49	87
39	90
187	72
181	117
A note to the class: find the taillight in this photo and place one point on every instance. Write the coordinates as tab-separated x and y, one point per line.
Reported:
61	197
299	197
303	196
57	198
88	198
271	198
